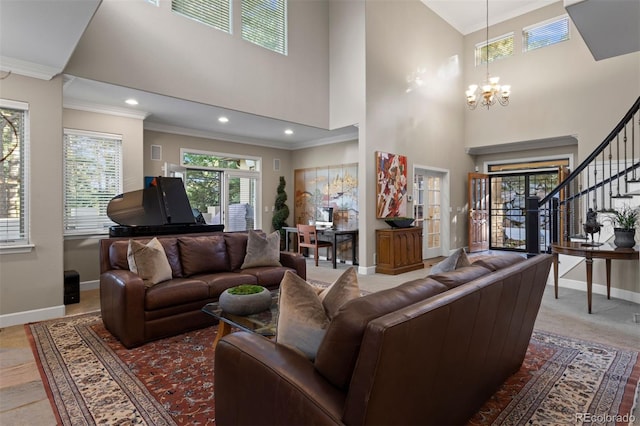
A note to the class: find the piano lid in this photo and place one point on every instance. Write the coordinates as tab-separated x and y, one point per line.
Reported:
165	202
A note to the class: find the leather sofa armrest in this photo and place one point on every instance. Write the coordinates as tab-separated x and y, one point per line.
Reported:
295	261
122	305
289	389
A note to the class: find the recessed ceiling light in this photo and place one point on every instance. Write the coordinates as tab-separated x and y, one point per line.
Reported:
223	119
288	132
131	102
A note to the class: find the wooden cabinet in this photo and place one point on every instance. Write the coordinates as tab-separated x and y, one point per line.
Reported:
398	250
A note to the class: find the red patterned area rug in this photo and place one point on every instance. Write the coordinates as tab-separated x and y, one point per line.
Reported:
92	379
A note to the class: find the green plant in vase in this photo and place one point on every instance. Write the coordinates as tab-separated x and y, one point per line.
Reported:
246	289
625	222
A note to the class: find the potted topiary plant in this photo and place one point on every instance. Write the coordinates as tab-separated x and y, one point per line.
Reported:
281	212
624	226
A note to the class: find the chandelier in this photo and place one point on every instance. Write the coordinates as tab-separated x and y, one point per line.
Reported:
490	92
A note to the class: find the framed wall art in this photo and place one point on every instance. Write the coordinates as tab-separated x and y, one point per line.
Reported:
391	185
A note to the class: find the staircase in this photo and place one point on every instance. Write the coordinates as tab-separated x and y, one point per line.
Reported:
607	180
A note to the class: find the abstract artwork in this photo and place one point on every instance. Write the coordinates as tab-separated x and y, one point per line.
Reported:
391	188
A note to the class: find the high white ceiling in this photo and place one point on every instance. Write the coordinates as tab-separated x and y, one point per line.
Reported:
468	16
37	38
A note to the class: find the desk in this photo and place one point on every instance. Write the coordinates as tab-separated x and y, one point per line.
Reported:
333	235
606	251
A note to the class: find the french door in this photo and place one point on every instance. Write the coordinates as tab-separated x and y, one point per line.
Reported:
429	193
508	196
229	198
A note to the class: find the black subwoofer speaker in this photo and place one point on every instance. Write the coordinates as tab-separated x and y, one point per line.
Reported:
71	287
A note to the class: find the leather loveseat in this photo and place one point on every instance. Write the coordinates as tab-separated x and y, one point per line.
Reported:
202	267
429	351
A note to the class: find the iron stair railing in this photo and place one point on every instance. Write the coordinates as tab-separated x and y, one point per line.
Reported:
604	176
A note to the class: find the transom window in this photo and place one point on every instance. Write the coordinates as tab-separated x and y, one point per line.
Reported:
264	22
545	33
92	177
14	222
497	48
215	13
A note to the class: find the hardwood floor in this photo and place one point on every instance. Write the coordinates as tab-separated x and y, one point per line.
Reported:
23	400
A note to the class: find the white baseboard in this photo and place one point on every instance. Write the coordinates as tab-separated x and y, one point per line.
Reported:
43	314
366	270
596	289
35	315
89	285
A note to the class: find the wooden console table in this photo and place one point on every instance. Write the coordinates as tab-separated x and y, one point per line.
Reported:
606	251
399	250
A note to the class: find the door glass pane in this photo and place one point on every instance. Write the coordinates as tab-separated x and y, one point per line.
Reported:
433	217
204	193
507	212
242	204
540	185
508	196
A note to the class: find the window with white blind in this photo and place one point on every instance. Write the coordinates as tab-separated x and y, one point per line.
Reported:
545	33
14	205
215	13
497	48
92	177
264	22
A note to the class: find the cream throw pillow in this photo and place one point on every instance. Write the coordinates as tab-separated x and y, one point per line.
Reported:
304	315
149	261
262	250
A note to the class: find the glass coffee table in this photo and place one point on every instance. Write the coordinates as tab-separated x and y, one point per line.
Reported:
263	323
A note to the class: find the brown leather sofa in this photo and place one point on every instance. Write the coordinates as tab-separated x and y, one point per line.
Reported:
430	351
203	266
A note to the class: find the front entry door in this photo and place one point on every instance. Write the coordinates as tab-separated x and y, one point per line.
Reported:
478	212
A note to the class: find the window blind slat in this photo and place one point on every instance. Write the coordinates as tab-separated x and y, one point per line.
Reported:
498	48
264	22
92	177
215	13
13	206
545	34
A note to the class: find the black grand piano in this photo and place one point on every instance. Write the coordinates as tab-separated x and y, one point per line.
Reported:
160	209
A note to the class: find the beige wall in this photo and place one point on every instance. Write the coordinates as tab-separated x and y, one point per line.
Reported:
423	124
81	254
171	144
556	91
326	155
189	60
31	284
347	62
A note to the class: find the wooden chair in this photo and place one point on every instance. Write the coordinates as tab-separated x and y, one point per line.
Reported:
308	237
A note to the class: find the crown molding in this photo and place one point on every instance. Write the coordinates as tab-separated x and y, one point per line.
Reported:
28	69
567	140
176	130
157	127
328	140
79	105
